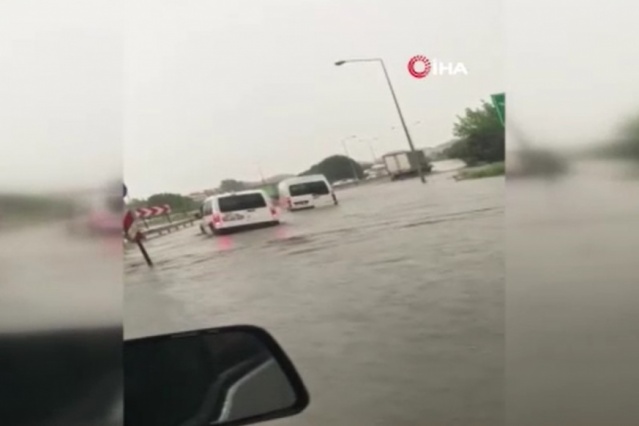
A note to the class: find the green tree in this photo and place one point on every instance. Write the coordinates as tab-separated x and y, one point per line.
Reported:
137	203
178	203
481	136
336	167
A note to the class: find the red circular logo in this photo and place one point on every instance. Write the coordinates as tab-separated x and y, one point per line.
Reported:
413	66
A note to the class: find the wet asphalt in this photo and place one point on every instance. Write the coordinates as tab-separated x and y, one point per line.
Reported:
391	304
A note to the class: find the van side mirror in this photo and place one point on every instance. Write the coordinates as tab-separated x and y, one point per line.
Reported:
198	215
227	376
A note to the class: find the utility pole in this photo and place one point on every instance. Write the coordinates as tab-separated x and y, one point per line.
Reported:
420	169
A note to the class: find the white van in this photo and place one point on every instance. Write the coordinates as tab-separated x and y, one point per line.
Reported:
236	210
306	192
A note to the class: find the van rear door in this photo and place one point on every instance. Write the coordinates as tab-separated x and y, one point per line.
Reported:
310	194
244	209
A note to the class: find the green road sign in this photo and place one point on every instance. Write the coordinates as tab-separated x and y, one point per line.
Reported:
499	101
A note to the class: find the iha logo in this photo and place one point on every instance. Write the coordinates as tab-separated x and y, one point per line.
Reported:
419	66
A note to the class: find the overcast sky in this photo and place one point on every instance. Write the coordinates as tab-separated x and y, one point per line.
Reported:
219	89
179	95
60	94
571	69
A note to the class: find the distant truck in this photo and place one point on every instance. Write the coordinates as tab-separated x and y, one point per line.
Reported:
404	164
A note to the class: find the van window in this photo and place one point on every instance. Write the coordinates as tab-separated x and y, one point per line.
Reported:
315	188
207	208
233	203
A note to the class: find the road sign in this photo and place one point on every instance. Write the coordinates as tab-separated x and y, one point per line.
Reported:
144	212
499	101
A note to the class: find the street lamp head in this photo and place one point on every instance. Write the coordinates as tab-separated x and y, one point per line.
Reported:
339	63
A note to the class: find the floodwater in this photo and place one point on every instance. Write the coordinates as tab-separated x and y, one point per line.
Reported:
49	279
391	304
572	296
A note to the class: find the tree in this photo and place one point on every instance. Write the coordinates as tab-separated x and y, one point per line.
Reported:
458	150
229	185
178	203
336	167
136	203
481	136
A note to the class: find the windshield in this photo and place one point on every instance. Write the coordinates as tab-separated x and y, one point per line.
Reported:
365	282
309	188
234	203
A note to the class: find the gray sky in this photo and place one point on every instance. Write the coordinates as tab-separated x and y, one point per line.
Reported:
60	94
571	69
215	88
183	94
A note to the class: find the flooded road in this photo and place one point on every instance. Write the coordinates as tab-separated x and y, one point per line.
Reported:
572	295
391	305
49	279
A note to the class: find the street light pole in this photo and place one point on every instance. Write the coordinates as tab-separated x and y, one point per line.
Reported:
397	107
401	118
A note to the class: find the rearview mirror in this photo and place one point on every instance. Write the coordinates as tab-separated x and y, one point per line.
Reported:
227	376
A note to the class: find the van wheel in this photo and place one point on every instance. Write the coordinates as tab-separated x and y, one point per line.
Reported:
202	230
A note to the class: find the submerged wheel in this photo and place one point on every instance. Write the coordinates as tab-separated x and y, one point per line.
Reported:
216	232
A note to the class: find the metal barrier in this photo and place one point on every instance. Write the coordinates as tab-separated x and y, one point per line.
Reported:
169	227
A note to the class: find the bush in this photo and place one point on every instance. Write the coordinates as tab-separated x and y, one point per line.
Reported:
489	170
481	137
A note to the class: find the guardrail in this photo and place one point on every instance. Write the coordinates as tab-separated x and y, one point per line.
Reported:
168	228
164	219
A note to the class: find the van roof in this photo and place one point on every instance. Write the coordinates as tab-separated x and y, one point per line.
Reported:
302	179
244	192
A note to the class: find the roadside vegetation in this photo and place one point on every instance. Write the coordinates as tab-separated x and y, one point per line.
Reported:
178	203
481	143
485	171
336	167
